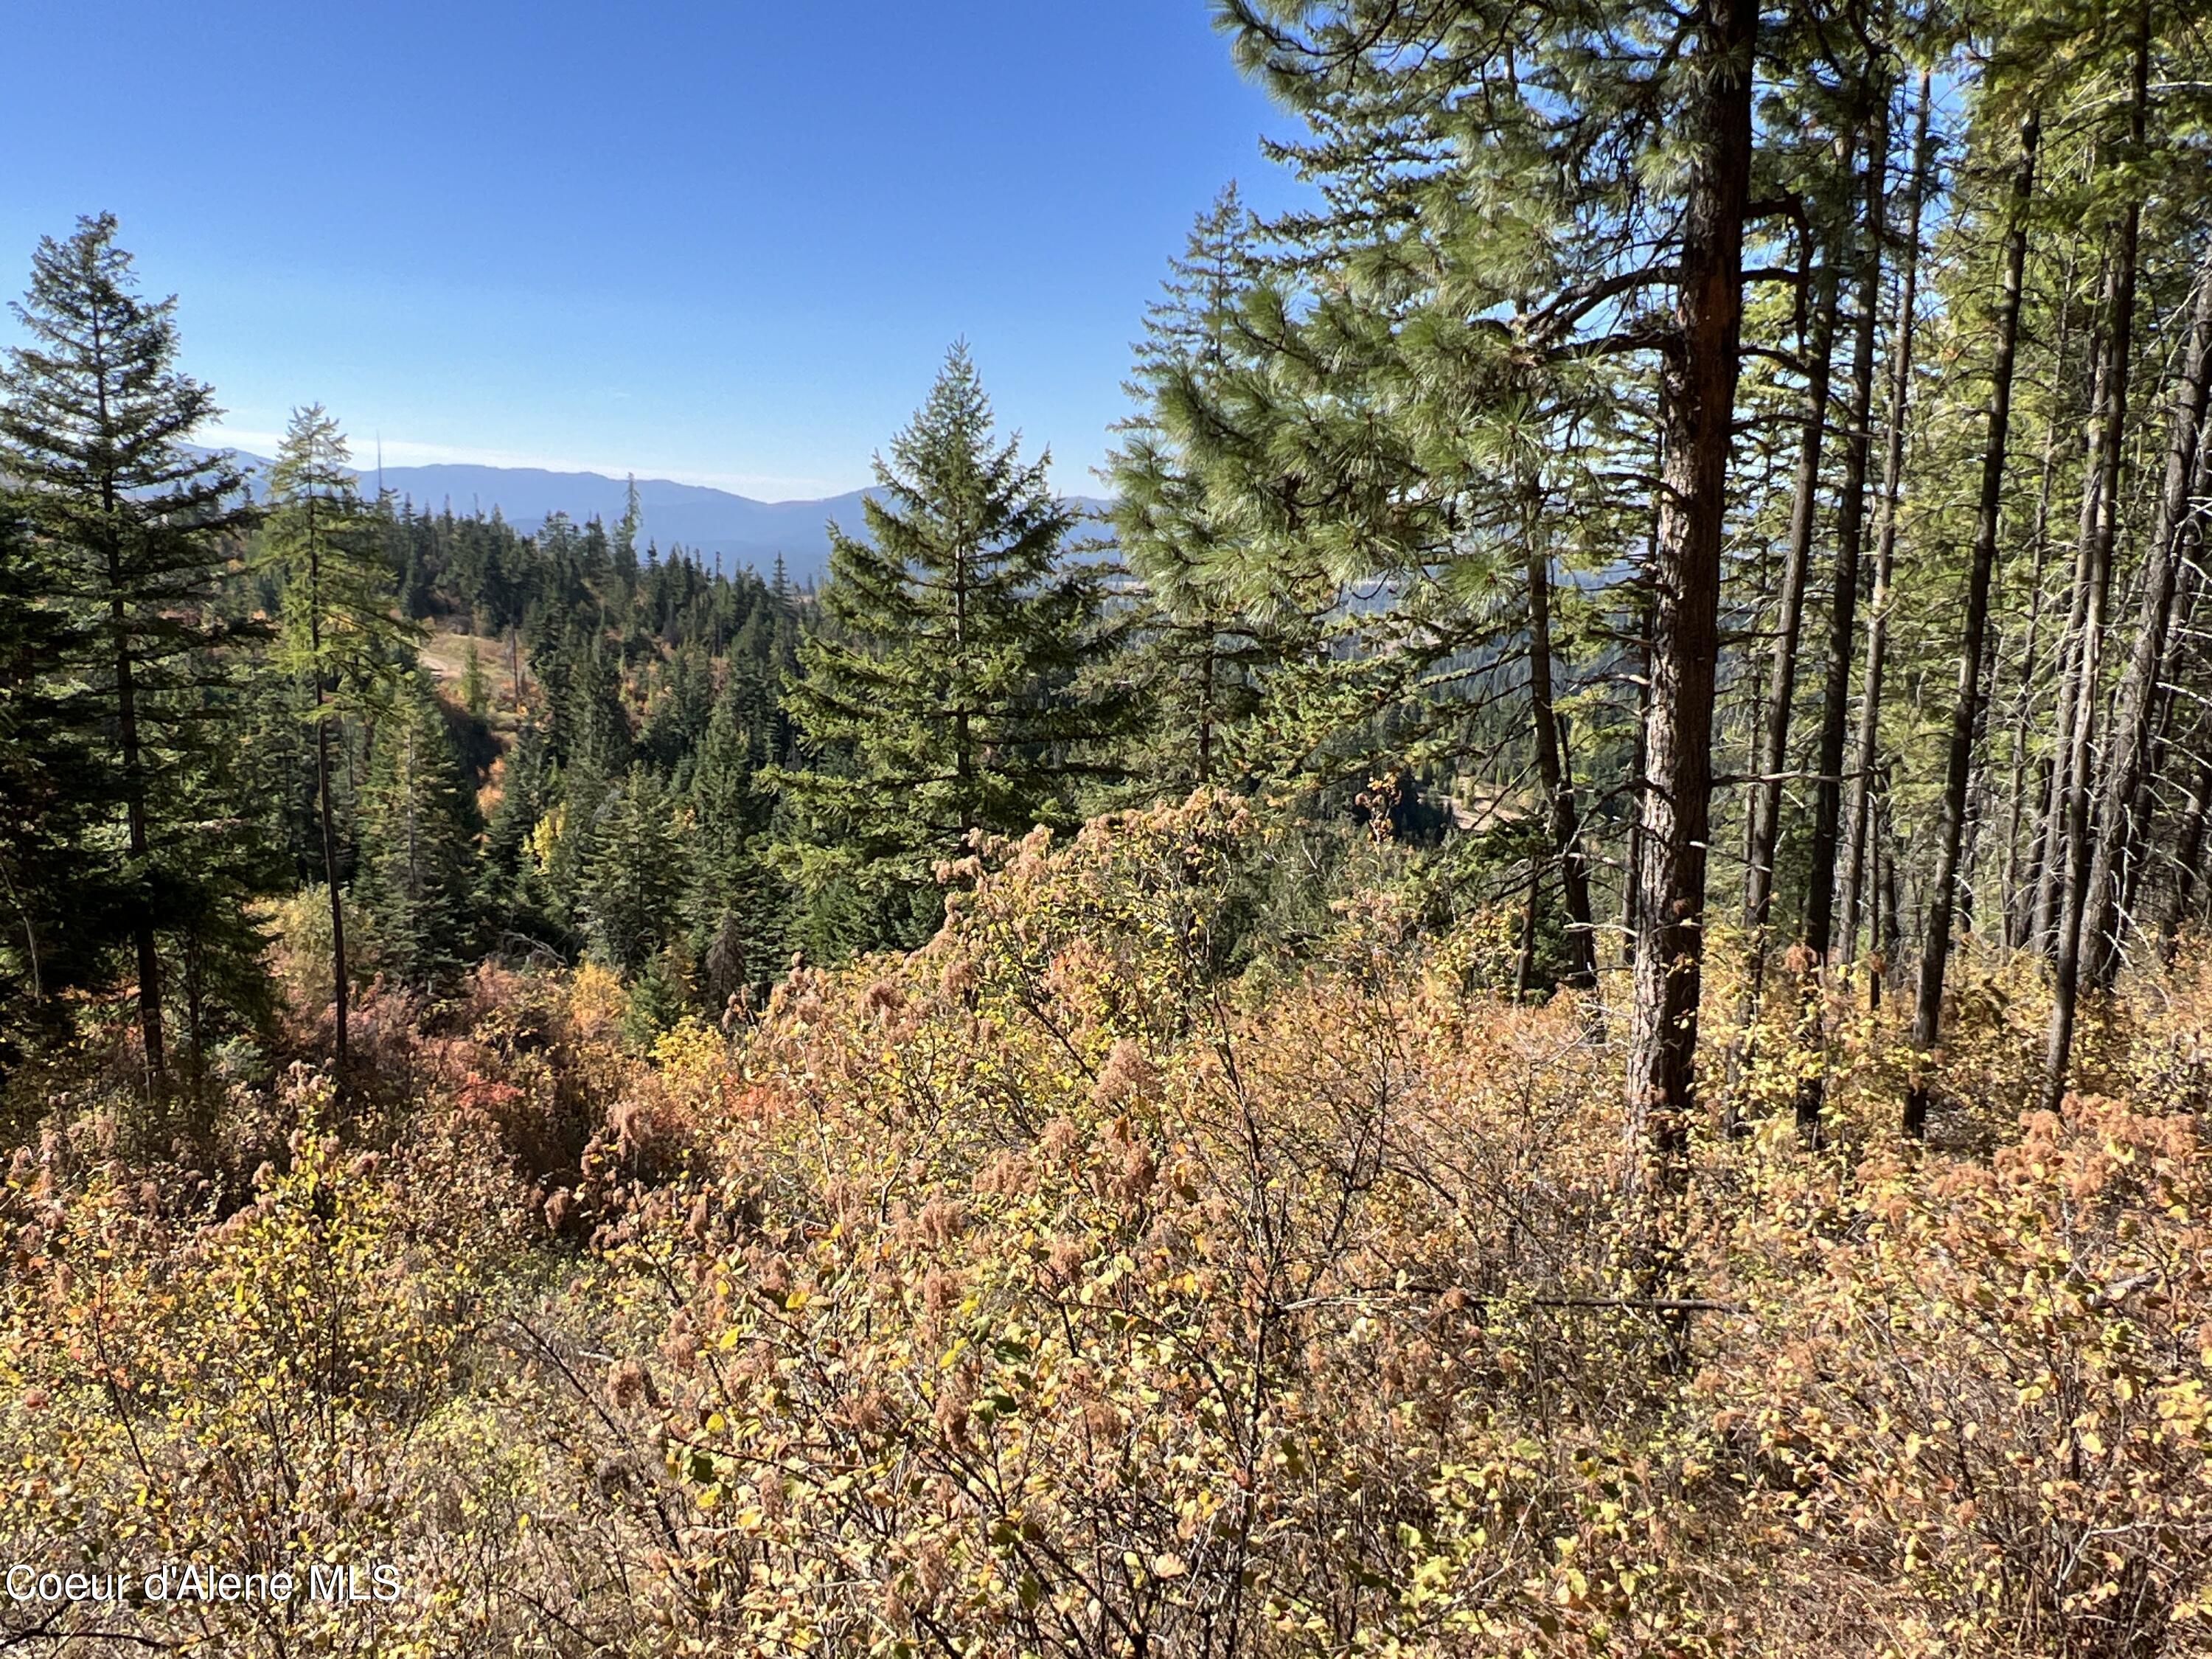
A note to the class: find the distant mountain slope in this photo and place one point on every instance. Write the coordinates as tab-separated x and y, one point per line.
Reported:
715	522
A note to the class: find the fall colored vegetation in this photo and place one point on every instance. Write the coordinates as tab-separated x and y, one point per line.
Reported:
1102	1278
1552	1001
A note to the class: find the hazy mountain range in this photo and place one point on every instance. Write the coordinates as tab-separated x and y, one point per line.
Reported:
734	529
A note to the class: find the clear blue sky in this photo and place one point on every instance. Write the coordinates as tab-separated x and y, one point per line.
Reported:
727	243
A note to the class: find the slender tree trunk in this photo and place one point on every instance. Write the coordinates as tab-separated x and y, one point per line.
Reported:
1773	755
134	808
1851	531
322	801
2189	544
2050	890
331	879
2022	887
1842	613
1631	894
1943	892
963	743
1563	822
1893	922
2126	793
1699	366
2187	854
2100	521
1892	483
1205	712
126	720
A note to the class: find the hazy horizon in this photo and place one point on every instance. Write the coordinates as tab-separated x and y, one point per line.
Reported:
713	251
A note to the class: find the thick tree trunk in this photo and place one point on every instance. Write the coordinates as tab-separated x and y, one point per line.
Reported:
1699	366
2100	522
1942	892
1885	554
2126	792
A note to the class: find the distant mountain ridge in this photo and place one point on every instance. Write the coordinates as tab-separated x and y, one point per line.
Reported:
734	529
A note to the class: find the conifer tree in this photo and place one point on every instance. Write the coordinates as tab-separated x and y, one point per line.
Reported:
338	633
938	686
735	900
632	876
95	422
55	882
1490	229
1201	655
418	834
475	687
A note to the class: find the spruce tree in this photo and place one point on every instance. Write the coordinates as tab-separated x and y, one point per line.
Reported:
55	881
936	691
736	901
95	424
633	874
418	839
338	633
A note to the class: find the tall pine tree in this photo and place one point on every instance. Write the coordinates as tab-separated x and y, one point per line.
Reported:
938	691
338	632
419	842
96	423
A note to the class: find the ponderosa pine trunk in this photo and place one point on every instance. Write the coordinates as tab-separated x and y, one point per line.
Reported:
1942	893
1699	365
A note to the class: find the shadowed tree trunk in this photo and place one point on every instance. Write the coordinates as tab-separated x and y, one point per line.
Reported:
1842	612
2100	514
1699	365
1892	483
1565	828
2126	796
1942	892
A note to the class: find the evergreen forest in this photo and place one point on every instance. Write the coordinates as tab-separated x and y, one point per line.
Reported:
1552	994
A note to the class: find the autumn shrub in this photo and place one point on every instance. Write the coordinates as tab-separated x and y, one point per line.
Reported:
286	1385
1967	1398
1115	1275
1050	1300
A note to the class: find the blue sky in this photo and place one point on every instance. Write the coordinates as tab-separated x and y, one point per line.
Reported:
723	243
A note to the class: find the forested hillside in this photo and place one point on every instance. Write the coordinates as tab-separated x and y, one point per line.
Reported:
1554	999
